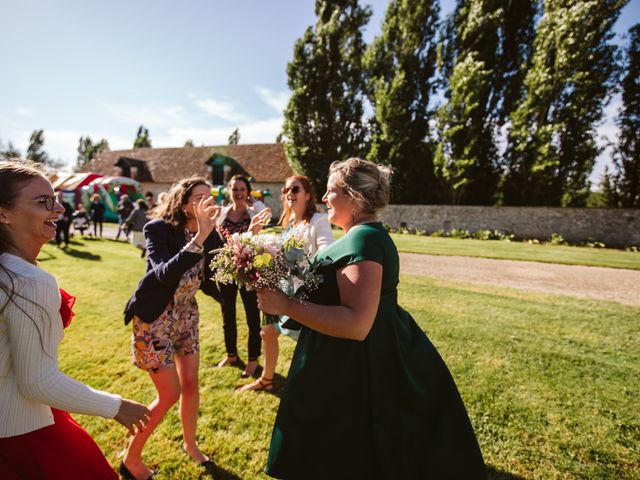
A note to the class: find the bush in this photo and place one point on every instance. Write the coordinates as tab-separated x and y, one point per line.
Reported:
557	239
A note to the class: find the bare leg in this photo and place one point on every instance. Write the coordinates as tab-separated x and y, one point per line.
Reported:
271	351
168	386
188	366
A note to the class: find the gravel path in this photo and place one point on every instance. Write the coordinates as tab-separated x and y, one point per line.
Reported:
600	283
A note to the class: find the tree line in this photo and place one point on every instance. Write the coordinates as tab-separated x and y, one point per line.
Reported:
87	148
496	104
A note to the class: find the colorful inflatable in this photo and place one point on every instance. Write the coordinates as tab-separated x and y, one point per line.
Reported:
110	190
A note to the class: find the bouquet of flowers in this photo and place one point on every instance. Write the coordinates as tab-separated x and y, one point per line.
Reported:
266	261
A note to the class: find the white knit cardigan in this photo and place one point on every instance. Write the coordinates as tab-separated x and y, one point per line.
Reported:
30	332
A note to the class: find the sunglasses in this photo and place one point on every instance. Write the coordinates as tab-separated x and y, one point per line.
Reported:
294	189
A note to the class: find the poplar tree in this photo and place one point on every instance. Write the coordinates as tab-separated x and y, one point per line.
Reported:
87	150
142	138
35	150
626	156
324	117
234	138
401	65
9	152
485	54
552	143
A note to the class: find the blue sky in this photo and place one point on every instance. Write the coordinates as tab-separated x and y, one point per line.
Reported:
195	69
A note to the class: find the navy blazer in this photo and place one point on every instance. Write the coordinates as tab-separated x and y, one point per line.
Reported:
166	263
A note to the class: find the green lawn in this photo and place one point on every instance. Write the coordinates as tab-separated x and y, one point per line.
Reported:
552	384
598	257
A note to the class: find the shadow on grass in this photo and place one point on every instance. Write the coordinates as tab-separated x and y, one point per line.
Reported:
82	255
495	474
218	473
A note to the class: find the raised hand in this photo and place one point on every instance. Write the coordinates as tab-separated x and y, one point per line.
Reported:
133	415
206	213
260	220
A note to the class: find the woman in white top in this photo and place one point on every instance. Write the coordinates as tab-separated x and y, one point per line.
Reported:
38	439
299	217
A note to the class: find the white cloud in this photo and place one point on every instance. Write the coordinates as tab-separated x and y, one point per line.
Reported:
151	116
215	108
24	111
277	100
259	131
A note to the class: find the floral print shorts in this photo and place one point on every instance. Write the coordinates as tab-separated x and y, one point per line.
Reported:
174	332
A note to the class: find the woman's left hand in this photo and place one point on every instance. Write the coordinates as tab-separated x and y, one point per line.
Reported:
260	220
273	302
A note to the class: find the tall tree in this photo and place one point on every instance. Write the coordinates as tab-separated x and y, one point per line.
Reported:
485	54
234	138
626	155
323	120
87	150
552	143
188	143
9	152
142	138
35	150
401	65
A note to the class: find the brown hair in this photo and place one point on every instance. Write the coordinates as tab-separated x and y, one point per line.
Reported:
243	179
13	175
171	207
285	218
366	182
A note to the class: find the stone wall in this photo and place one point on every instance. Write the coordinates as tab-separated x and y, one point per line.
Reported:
613	227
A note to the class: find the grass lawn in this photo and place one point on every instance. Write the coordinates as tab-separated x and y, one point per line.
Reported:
552	384
597	257
546	253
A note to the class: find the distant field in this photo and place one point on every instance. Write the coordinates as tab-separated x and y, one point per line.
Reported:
551	383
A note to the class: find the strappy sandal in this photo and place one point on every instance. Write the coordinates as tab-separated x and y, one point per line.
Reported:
261	384
230	359
250	373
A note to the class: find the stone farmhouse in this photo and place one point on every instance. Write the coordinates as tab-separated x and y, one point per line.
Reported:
158	168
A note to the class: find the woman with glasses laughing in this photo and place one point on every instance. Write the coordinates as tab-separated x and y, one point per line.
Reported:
38	438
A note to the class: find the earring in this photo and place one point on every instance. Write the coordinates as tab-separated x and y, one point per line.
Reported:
353	215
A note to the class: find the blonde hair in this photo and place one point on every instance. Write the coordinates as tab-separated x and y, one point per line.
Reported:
366	182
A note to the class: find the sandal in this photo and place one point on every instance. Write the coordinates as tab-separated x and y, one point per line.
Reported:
249	372
261	384
230	359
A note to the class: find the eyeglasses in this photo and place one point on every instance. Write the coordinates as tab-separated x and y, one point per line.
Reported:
294	189
47	200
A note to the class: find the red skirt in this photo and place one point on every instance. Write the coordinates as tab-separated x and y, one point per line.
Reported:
60	451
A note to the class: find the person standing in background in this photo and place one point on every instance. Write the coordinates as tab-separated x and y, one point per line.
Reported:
136	222
125	207
96	210
64	223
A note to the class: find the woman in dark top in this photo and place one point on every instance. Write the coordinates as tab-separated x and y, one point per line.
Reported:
240	217
96	211
165	313
367	395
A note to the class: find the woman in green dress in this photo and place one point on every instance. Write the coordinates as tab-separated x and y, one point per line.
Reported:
367	395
